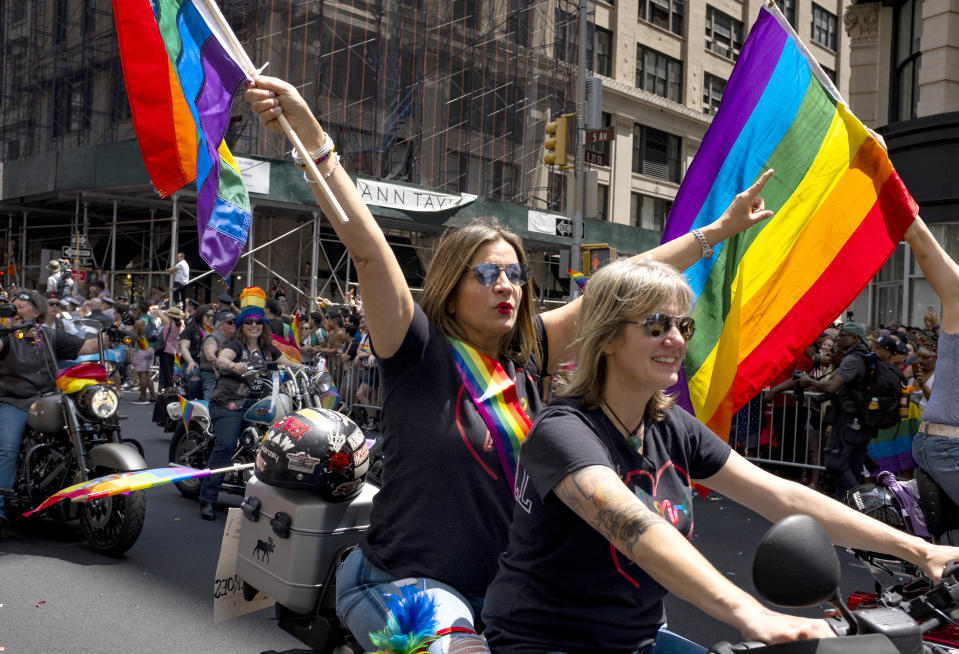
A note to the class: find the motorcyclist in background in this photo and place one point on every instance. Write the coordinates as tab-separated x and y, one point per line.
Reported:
25	374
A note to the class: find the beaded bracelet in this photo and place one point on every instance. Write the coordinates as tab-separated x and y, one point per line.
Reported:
306	174
320	155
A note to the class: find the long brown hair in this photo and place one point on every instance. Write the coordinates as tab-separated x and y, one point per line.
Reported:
453	253
265	339
617	293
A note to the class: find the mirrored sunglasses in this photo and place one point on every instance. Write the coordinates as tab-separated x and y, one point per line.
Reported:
658	324
487	273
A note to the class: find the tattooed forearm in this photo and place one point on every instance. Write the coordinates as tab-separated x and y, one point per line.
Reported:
598	496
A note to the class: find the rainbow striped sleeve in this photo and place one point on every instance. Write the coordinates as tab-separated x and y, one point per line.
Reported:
840	210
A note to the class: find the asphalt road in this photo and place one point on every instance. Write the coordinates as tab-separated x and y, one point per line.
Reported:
58	596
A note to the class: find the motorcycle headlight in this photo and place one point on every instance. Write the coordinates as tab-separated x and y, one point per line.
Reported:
101	402
322	382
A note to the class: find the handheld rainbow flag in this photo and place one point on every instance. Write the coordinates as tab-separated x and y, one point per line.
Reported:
296	329
181	76
142	343
840	208
577	277
494	395
76	378
127	482
330	398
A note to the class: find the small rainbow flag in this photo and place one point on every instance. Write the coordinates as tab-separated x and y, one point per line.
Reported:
840	210
577	277
287	347
176	364
78	377
296	329
330	398
186	410
142	343
207	330
127	482
494	394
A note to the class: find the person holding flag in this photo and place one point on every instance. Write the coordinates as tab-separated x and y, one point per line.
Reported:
460	374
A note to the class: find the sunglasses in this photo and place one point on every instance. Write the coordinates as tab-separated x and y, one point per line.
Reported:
658	324
487	273
252	321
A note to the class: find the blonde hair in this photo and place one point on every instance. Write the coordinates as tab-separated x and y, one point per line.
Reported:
619	292
454	251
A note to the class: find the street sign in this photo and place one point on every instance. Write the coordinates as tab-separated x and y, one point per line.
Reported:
564	227
77	252
600	135
596	158
80	275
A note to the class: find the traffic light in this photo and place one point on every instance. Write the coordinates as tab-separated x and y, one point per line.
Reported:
595	256
555	142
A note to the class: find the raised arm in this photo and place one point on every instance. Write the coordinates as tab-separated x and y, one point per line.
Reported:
746	209
940	270
389	304
600	498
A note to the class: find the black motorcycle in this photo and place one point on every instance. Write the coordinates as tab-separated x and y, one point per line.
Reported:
797	566
73	435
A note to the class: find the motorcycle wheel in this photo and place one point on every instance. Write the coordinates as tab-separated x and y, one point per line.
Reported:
181	446
112	525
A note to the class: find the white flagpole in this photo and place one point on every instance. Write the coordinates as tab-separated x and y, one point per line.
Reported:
233	44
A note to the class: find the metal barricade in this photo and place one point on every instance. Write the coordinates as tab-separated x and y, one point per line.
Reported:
787	429
348	377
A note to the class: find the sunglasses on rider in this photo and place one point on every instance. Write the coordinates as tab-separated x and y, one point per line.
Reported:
487	273
658	324
252	321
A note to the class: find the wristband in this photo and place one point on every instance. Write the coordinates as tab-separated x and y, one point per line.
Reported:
707	249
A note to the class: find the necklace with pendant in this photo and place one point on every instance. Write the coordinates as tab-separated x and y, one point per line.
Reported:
634	439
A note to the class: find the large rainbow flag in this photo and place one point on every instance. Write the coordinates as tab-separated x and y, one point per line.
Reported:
181	76
840	208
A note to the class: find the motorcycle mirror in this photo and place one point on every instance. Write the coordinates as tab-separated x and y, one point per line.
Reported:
796	564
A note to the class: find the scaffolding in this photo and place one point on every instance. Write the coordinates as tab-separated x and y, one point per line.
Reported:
451	95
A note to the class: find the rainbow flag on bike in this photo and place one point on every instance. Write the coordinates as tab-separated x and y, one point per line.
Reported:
840	210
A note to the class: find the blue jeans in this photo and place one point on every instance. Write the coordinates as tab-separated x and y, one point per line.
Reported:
12	424
208	379
361	605
226	426
668	643
939	456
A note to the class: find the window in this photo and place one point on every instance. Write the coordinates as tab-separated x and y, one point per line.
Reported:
713	88
824	27
89	16
119	107
556	191
907	31
62	20
648	212
517	23
724	34
789	11
830	73
564	36
604	52
659	74
655	153
667	14
465	13
71	106
602	202
464	112
344	74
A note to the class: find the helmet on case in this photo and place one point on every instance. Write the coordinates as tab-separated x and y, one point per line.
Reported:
316	450
877	502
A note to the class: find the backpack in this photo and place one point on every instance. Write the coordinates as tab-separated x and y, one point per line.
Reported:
62	283
885	383
153	333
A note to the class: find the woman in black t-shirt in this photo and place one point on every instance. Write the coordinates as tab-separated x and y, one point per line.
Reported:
232	395
604	494
441	517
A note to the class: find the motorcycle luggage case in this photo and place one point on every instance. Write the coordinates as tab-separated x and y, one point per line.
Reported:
289	548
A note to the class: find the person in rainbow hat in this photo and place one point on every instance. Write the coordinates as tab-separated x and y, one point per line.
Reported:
232	395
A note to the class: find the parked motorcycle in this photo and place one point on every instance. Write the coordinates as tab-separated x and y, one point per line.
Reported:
73	435
921	508
193	440
797	566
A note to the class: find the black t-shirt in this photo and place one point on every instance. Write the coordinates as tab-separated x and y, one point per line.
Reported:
445	505
231	389
854	371
195	336
561	585
25	371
